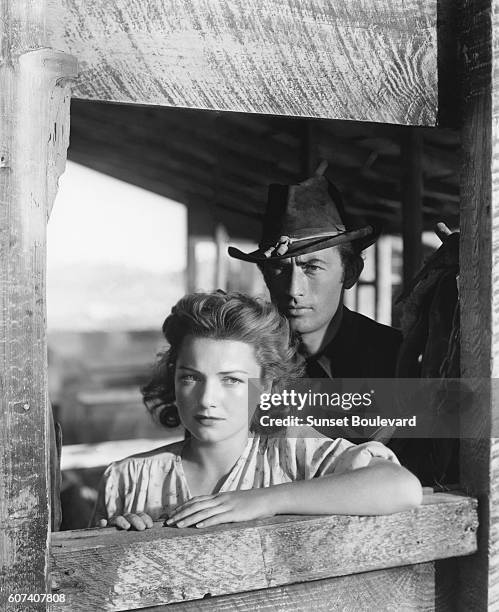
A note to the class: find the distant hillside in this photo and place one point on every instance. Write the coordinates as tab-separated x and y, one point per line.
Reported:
110	297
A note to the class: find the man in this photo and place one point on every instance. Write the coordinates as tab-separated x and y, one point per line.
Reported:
309	258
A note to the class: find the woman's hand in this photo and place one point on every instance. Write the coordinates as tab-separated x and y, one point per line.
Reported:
139	521
360	456
229	507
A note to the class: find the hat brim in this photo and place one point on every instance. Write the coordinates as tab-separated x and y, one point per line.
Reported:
363	238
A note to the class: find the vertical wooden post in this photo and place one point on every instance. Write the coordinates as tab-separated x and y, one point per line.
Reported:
200	225
479	290
191	267
222	265
310	159
412	209
384	280
34	119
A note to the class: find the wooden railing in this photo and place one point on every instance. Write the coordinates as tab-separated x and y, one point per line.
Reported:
298	562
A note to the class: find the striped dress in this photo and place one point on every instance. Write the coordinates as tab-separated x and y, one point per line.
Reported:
155	483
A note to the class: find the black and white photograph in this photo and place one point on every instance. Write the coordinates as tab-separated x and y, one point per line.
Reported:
248	332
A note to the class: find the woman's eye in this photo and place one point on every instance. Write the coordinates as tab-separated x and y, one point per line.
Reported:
231	380
187	378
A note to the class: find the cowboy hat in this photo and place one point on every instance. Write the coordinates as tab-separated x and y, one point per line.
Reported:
305	218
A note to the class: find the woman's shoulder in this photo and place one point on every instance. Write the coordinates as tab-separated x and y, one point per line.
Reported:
163	454
174	449
303	452
306	432
304	438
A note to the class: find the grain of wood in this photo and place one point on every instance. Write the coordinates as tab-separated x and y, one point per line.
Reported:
109	570
398	589
34	104
354	59
479	290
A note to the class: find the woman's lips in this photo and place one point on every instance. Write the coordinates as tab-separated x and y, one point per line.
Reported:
207	420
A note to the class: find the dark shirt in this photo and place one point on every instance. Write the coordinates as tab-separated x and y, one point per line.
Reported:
361	349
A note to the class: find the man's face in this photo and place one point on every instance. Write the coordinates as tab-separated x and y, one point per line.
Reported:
307	289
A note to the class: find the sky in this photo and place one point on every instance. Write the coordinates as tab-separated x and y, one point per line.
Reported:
99	219
116	254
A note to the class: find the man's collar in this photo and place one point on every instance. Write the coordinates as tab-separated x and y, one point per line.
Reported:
344	335
342	338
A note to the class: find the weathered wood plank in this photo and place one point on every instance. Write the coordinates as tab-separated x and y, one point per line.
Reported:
370	60
479	290
26	26
109	570
34	113
398	589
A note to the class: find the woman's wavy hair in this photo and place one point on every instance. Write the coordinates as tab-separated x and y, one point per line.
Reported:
222	316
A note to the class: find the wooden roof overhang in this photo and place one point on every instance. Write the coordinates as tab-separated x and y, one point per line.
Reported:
224	162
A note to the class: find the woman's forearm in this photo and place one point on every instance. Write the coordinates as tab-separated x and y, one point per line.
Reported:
382	488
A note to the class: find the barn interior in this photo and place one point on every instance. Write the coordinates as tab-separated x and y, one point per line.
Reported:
219	165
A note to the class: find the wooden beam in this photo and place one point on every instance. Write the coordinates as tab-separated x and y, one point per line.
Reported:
478	288
388	211
384	280
400	588
201	225
369	61
448	62
438	160
34	120
309	155
191	267
106	569
374	184
222	261
412	204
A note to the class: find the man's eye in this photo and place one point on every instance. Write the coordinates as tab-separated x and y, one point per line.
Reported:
311	268
276	270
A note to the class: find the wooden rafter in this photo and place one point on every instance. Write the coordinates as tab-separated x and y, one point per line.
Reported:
228	160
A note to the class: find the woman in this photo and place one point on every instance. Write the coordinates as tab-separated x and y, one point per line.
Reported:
221	472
